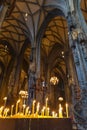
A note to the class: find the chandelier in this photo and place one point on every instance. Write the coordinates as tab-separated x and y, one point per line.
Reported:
54	80
23	94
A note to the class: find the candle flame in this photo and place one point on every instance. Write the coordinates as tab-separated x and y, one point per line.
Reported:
5	98
18	100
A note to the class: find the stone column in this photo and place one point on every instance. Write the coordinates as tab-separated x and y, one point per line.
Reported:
17	70
40	84
32	76
76	37
38	59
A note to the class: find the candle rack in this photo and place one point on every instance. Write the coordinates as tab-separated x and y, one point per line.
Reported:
35	112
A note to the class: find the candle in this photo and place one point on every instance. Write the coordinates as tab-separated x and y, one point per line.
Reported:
46	106
27	110
67	113
37	109
46	102
16	111
4	112
33	107
12	110
48	111
53	114
29	113
7	110
24	108
1	110
5	99
42	111
60	111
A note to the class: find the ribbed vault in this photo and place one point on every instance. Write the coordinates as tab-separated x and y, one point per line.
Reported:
24	20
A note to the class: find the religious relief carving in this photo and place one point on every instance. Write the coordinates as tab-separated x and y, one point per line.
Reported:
76	57
84	50
73	42
77	92
76	33
82	40
71	5
79	112
80	106
78	37
84	95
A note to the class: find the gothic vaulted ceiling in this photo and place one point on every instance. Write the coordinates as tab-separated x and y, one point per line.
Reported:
23	20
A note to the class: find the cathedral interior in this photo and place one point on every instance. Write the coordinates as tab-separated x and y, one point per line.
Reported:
43	51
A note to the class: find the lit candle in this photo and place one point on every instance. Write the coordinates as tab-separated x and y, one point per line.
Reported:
46	106
12	110
29	113
4	112
67	113
37	109
1	110
16	111
48	111
60	111
27	110
24	108
42	111
46	102
7	110
33	107
53	114
5	99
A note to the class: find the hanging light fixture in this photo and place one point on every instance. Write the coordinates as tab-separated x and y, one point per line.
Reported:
60	98
54	80
23	94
